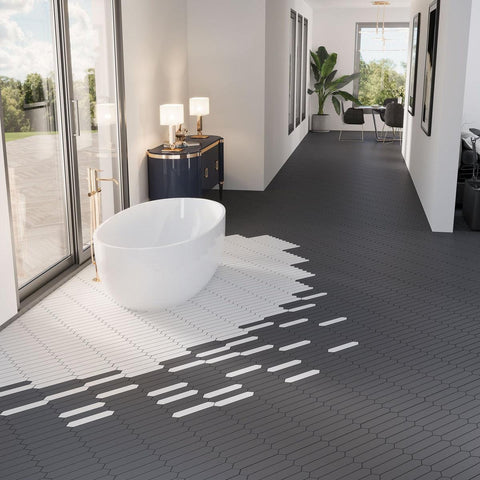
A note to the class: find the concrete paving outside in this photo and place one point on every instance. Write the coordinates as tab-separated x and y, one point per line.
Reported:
38	199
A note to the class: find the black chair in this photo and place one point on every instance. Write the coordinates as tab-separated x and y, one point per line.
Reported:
394	113
385	103
382	112
352	116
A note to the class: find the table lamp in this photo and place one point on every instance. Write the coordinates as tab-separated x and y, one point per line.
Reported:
199	106
171	114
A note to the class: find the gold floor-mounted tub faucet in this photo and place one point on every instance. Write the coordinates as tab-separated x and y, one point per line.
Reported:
94	190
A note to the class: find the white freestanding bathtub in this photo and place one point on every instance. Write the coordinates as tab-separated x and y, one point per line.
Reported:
160	253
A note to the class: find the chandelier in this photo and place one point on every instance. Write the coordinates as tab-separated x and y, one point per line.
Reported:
381	4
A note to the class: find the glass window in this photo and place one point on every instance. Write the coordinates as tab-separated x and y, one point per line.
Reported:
291	82
298	92
305	63
35	156
381	58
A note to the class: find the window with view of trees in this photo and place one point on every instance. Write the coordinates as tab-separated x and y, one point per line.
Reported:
381	58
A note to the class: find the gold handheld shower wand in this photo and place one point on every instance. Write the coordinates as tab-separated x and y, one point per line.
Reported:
94	190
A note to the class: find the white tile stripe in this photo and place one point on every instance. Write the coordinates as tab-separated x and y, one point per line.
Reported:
28	406
221	391
342	347
223	357
77	411
317	295
241	341
242	371
331	322
66	393
301	376
283	366
294	345
303	307
171	388
293	322
111	378
15	390
117	391
178	396
186	365
196	408
259	326
91	418
213	352
257	350
235	398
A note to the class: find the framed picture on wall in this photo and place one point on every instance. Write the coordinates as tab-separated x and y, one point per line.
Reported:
412	88
430	62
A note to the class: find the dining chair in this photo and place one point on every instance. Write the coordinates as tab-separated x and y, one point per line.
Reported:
382	113
352	116
394	119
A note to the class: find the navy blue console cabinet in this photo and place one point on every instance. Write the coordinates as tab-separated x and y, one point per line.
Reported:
186	173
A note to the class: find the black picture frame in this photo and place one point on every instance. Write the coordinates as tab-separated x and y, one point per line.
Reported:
412	88
430	64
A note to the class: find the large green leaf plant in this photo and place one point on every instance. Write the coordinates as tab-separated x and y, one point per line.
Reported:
322	65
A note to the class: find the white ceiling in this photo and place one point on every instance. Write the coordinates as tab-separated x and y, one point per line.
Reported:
354	3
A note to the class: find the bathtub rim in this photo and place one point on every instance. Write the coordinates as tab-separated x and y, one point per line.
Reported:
206	200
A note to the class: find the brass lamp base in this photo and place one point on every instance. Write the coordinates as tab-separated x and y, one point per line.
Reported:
199	129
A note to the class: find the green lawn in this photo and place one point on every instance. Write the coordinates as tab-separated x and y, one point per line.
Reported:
10	136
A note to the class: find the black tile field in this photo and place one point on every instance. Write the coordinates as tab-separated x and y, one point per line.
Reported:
341	340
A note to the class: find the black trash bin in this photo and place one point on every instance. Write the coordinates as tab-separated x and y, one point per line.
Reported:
471	203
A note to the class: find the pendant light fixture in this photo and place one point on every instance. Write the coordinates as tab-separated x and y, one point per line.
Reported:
379	4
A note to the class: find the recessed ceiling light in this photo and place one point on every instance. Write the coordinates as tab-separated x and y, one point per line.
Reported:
380	2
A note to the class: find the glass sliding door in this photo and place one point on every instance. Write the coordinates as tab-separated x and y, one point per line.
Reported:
34	142
59	97
91	39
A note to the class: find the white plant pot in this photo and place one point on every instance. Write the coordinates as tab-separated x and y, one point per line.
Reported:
319	123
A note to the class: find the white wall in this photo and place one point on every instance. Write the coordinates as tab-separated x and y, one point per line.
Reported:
8	288
226	52
335	29
155	56
433	161
279	145
471	109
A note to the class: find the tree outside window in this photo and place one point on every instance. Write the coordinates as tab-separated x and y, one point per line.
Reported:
381	58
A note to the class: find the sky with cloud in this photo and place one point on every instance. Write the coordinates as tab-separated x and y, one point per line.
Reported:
26	38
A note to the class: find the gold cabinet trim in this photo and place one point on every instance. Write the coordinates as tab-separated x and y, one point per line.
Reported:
188	155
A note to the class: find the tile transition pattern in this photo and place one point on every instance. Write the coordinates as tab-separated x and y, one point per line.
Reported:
79	361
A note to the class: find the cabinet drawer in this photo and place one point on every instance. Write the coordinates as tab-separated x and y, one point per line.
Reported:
209	170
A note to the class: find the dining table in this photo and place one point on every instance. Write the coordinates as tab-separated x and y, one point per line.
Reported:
373	109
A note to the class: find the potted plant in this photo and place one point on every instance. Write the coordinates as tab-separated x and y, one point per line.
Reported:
322	65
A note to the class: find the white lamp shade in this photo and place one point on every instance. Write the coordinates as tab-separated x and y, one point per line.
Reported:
106	114
199	106
171	114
